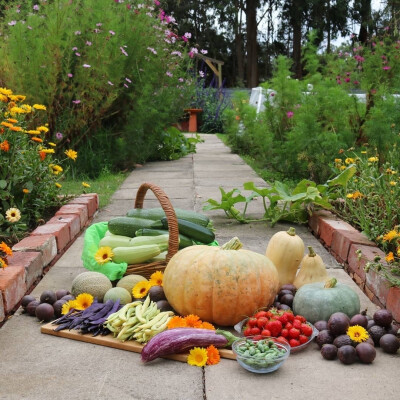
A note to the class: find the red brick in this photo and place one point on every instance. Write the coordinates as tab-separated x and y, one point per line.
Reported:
60	231
46	244
343	239
328	226
32	261
79	209
72	220
370	295
95	196
314	220
12	286
2	312
393	302
377	284
368	254
90	202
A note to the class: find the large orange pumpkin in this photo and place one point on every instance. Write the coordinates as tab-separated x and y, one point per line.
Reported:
220	285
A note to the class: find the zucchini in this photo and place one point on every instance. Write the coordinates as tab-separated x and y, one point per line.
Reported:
193	231
184	241
158	213
115	241
125	241
135	254
127	226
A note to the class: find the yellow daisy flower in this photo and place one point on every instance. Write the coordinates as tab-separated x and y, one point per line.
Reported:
17	110
392	183
56	169
393	234
48	151
27	108
3	264
157	278
5	91
39	107
197	357
357	333
58	185
33	132
72	154
389	257
103	255
86	185
141	289
349	160
42	129
373	159
12	120
3	98
83	301
13	215
69	305
52	144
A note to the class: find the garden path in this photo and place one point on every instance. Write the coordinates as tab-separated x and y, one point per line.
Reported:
37	366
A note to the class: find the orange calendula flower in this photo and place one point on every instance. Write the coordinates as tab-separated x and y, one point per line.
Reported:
388	237
16	128
213	356
12	120
37	139
193	321
5	146
72	154
176	322
3	264
356	195
207	325
42	155
389	257
7	124
26	191
5	249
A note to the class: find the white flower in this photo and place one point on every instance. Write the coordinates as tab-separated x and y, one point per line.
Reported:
13	215
310	87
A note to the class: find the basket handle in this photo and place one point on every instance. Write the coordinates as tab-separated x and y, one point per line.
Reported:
173	241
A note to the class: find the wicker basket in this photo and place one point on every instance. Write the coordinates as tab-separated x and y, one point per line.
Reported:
146	269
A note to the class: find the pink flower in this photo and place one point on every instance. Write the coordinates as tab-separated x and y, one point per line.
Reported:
59	135
36	7
201	73
126	85
169	74
386	68
88	43
356	83
111	32
74	48
76	101
156	2
290	114
69	75
123	51
202	51
12	23
77	32
78	54
128	80
347	80
86	66
110	83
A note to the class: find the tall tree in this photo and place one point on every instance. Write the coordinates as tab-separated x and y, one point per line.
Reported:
362	15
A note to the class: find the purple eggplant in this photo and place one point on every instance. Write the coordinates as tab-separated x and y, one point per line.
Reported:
177	340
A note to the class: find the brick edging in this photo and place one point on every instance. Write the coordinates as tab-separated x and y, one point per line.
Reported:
342	241
42	248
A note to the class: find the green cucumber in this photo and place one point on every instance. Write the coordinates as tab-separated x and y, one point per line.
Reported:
184	241
127	226
193	231
158	213
135	254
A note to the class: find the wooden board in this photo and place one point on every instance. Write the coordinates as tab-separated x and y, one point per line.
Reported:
110	341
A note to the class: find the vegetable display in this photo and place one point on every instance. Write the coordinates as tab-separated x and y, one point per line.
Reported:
178	340
220	284
286	250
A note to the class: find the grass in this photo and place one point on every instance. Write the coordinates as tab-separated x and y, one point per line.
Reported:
105	186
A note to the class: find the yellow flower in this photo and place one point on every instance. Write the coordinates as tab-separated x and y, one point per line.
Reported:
349	160
48	151
72	154
5	249
364	152
56	169
5	91
373	159
157	278
26	107
86	185
16	128
58	185
26	191
83	301
213	356
392	183
12	120
343	167
52	144
338	160
42	129
389	257
20	97
39	107
33	132
398	251
393	234
3	98
391	171
357	333
197	357
356	195
103	255
69	305
17	110
13	215
141	289
3	264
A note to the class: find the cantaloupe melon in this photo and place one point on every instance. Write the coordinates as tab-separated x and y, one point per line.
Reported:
118	293
129	281
94	283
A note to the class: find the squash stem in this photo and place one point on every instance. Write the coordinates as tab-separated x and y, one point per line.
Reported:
311	252
233	244
228	335
291	231
330	283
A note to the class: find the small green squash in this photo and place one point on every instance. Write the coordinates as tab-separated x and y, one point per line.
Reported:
318	301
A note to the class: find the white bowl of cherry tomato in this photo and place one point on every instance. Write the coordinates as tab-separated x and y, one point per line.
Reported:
280	324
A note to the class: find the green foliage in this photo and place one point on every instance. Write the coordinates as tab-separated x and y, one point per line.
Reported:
98	65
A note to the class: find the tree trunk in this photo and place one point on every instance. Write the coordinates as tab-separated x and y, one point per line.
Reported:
365	17
239	44
297	48
251	43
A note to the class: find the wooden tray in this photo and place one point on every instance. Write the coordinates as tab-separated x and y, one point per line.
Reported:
110	341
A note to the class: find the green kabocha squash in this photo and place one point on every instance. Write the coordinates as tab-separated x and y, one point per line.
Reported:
318	301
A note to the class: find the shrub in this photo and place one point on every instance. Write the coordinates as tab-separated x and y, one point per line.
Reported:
29	175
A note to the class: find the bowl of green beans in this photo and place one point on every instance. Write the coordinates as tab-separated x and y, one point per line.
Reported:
260	356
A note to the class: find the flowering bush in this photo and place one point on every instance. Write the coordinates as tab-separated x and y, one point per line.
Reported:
113	67
29	175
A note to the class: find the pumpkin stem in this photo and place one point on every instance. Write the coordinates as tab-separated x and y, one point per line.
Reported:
233	244
330	283
311	252
291	231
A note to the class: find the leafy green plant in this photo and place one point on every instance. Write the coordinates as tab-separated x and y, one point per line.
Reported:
279	201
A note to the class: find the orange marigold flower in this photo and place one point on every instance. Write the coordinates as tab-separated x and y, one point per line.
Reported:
193	321
12	120
5	146
26	191
176	322
5	249
389	257
213	356
389	236
37	139
6	124
16	128
42	155
207	325
3	264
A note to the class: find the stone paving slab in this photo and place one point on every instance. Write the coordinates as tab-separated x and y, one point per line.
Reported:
37	366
